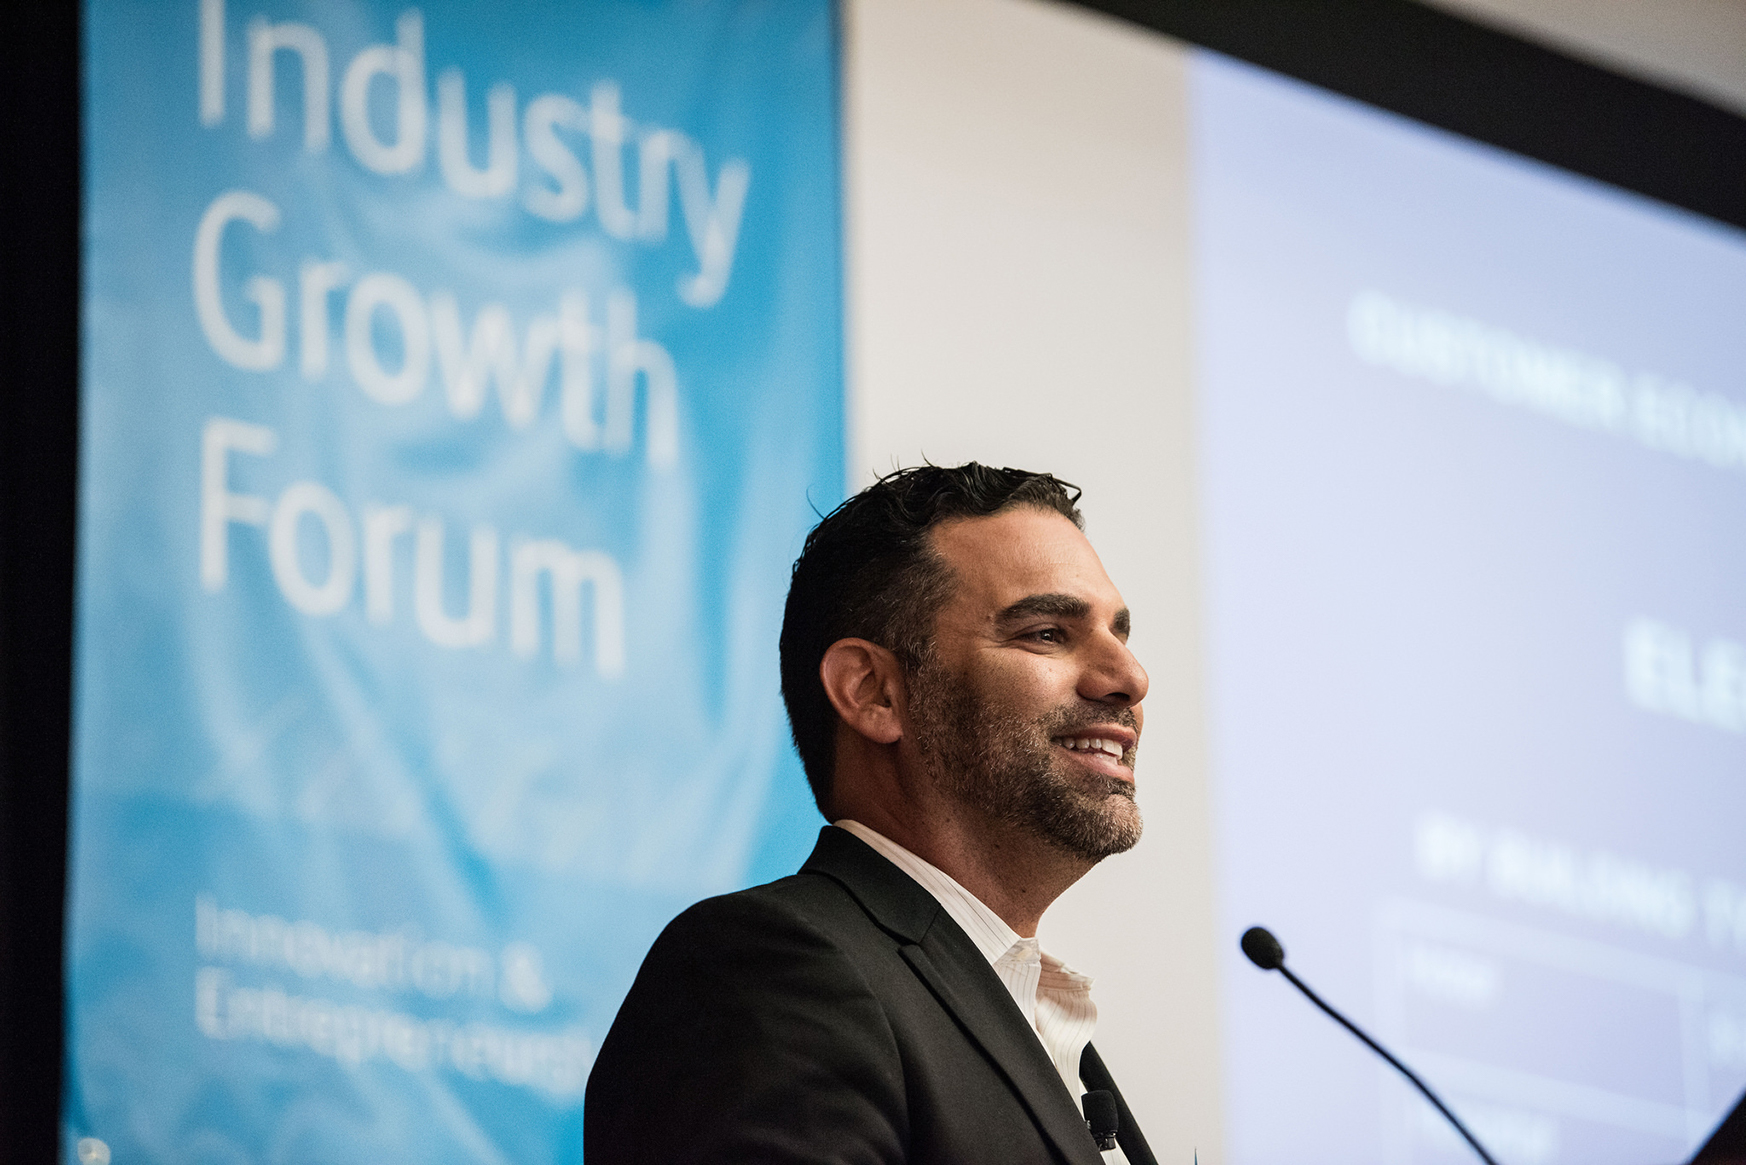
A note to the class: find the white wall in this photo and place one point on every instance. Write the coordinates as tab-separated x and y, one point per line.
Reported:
1019	295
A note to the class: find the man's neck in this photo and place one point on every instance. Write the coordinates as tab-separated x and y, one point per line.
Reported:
1013	873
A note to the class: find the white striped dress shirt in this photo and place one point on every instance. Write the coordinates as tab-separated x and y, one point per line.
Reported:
1054	999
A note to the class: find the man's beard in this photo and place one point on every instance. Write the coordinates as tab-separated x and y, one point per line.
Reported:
1007	768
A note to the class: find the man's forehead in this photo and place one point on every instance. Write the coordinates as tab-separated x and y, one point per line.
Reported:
1024	555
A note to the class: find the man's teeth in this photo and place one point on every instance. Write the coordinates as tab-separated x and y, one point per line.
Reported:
1092	744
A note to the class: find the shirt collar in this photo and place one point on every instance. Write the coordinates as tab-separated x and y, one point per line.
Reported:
992	936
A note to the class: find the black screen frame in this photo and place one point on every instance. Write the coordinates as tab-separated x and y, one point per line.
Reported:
1421	62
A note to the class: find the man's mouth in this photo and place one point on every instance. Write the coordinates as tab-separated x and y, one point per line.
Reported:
1102	751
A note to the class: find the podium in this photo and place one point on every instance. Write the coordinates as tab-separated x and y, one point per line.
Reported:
1727	1145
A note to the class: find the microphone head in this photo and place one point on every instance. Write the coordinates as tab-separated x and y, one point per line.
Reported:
1102	1117
1263	949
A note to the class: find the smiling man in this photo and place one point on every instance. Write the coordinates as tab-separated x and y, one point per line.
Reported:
956	669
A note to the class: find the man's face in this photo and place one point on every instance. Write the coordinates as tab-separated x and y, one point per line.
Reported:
1028	707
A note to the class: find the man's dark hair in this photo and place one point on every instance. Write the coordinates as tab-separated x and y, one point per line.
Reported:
869	570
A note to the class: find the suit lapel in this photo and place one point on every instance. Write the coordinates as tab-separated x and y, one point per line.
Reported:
1128	1135
987	1012
944	958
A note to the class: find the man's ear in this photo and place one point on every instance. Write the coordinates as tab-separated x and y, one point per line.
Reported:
865	686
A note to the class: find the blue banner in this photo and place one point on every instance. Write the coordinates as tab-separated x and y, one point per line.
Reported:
459	382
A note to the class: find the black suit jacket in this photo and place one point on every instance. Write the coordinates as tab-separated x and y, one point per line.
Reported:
837	1015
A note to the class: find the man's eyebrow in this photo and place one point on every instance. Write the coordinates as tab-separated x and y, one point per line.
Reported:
1056	606
1059	606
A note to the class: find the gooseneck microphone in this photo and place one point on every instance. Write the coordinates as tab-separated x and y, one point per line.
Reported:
1265	952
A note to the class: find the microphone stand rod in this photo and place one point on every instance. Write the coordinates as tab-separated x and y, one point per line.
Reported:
1386	1055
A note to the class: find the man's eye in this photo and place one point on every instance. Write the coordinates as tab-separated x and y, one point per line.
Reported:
1049	635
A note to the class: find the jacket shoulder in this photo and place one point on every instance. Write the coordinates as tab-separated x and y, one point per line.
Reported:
808	901
752	1034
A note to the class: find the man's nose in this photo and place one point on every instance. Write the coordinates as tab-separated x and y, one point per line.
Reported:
1114	675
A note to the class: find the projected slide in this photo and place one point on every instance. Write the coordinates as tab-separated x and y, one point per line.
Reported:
1474	481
